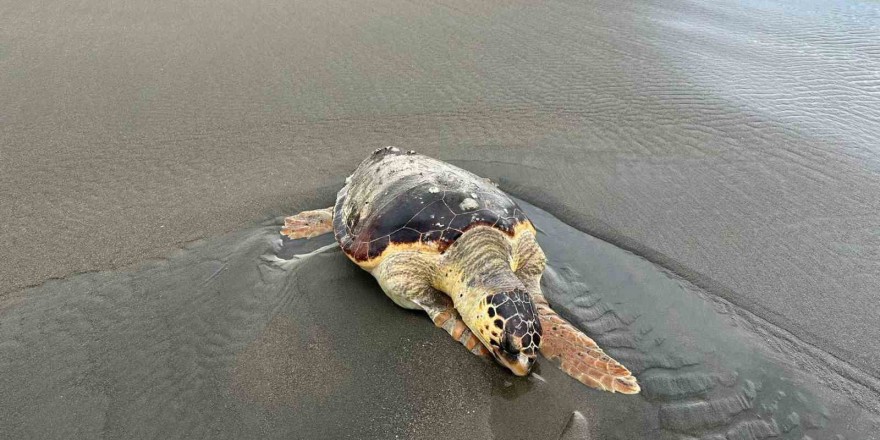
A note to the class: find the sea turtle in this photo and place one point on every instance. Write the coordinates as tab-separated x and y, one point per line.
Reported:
443	240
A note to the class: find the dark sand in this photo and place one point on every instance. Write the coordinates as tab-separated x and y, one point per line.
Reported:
734	144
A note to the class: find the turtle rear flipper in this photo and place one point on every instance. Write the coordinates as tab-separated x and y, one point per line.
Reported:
580	357
308	224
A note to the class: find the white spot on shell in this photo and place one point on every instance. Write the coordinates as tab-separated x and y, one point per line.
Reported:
433	190
468	204
348	180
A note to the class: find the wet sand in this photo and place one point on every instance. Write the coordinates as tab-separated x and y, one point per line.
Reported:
249	334
732	144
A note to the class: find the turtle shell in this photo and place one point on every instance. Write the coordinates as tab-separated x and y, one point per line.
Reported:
397	197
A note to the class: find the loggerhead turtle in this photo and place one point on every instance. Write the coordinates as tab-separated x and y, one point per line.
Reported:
443	240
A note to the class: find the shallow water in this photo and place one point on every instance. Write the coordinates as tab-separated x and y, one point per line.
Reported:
249	335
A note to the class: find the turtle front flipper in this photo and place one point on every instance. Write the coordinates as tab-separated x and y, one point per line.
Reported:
575	353
405	278
448	319
308	224
580	357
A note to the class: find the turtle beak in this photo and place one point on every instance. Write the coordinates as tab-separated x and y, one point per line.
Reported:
523	365
520	364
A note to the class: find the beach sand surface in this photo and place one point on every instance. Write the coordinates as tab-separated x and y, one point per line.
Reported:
732	145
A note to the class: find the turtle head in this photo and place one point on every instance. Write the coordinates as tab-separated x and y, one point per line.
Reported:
512	330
